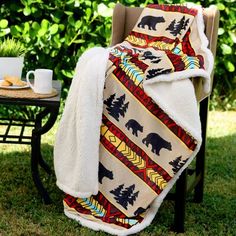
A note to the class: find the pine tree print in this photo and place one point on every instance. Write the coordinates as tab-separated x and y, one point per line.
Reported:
124	109
118	190
171	27
125	196
123	199
175	28
109	101
181	25
177	164
185	24
118	107
132	199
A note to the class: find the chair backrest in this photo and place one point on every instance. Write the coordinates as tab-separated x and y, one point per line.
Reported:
124	19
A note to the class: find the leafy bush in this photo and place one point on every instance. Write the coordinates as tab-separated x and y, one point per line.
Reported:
57	32
224	94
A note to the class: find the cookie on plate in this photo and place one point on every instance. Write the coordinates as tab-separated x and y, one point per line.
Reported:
14	81
5	83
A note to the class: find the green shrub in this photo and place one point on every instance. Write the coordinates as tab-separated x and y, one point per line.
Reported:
224	95
57	32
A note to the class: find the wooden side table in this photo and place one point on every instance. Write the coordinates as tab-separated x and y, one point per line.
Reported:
49	107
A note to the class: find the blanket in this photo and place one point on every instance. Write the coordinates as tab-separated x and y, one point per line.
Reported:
147	116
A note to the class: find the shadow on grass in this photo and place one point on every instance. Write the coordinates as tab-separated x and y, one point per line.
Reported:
16	179
21	205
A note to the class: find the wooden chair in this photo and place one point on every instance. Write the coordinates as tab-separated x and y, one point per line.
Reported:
124	19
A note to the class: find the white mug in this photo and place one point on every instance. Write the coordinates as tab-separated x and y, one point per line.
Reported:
42	80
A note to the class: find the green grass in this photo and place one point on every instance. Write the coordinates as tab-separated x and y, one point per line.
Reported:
22	212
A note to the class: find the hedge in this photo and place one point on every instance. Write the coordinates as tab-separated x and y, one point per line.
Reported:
57	32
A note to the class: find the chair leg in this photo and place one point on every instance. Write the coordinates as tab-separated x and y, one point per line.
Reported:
199	188
200	159
180	202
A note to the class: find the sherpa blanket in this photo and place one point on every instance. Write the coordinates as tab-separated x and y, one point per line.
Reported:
150	128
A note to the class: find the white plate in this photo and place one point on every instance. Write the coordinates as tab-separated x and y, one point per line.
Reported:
13	86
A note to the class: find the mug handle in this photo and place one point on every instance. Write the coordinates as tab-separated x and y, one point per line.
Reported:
27	78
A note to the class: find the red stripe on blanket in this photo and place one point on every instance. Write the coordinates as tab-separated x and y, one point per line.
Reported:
186	45
140	173
188	49
176	61
112	213
150	39
72	203
155	109
134	58
179	65
201	61
139	63
115	60
174	8
118	133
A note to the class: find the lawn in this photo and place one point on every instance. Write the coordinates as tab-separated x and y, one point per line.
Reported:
22	212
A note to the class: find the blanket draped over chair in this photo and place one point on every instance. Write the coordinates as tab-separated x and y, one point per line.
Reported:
131	124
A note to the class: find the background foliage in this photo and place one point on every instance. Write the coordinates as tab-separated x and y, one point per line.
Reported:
56	33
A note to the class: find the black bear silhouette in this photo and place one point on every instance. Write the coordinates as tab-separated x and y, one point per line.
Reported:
135	126
148	55
104	172
150	21
157	143
155	72
135	50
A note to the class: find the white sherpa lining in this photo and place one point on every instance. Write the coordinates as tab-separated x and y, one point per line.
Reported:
76	150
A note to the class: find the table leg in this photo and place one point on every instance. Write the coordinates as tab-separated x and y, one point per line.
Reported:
36	157
38	125
44	165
